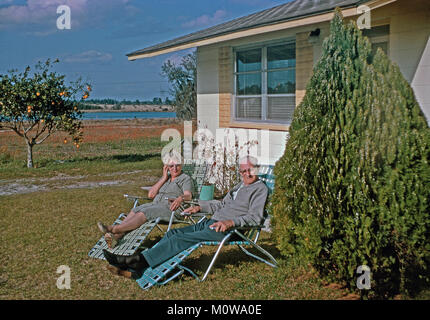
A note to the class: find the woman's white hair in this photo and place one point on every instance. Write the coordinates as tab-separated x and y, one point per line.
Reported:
172	156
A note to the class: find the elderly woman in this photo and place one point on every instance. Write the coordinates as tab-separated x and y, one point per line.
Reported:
168	194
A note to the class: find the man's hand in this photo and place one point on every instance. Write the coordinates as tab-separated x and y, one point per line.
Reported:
191	210
222	226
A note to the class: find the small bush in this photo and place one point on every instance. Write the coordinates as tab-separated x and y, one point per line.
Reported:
353	185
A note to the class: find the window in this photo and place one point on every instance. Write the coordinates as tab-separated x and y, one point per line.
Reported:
265	83
379	37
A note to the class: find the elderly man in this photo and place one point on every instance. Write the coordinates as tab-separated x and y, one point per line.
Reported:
242	206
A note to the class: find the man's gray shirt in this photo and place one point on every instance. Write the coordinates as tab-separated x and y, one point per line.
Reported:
246	209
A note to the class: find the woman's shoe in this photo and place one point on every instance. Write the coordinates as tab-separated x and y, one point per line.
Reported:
111	238
103	228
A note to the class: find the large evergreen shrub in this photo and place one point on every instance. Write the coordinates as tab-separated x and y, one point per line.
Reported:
353	186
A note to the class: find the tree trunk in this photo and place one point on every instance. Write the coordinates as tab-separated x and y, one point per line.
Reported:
29	155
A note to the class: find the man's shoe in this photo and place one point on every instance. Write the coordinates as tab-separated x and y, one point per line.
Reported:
118	272
135	261
115	260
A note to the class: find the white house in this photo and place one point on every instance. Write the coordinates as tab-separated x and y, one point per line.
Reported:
252	71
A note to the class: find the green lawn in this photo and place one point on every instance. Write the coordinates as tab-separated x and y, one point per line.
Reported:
56	225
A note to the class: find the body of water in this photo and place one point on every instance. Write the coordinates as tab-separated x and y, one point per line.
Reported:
126	115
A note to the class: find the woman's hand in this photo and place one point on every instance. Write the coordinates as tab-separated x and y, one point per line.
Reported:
165	172
176	203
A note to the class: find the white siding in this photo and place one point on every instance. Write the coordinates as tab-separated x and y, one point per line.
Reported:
207	88
409	47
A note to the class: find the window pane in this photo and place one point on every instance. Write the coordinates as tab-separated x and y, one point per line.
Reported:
248	108
283	56
382	45
281	108
249	84
377	31
249	60
281	82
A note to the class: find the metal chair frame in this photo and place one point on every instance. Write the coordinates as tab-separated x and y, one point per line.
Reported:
154	276
132	240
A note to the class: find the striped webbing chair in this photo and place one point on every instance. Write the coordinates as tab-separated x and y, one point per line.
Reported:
248	236
133	240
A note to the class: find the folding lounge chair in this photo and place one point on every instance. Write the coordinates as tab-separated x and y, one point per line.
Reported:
131	242
248	236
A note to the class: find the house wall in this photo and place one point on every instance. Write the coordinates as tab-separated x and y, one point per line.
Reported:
215	87
409	44
409	47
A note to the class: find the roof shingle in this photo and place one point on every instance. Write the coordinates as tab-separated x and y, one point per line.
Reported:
289	11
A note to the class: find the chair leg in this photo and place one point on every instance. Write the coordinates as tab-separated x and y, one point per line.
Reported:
273	264
171	221
216	255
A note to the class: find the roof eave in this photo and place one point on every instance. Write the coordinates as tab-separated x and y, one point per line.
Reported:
283	24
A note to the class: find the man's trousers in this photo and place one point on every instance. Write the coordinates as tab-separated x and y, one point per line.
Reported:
177	240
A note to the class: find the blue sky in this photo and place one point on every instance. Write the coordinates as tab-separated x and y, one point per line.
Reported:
103	32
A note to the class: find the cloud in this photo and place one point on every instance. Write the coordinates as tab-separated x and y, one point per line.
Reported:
37	11
41	15
206	20
91	56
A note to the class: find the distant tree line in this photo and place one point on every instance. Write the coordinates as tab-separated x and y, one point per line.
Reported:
95	104
154	101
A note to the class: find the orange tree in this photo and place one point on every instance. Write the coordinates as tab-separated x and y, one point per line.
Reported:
35	105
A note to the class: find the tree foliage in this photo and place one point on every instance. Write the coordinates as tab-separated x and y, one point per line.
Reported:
353	186
183	81
35	105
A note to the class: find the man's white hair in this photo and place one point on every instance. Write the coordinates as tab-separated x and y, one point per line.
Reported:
249	159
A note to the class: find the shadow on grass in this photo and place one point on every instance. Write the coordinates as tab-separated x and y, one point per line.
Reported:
122	158
229	255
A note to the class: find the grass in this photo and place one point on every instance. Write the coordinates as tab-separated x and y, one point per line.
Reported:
44	230
55	225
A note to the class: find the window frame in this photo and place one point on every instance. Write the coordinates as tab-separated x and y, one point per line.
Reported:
381	38
264	81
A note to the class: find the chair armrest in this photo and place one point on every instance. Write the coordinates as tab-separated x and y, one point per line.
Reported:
249	228
134	198
192	202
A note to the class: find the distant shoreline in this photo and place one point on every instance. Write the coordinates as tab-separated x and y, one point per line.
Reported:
129	108
124	111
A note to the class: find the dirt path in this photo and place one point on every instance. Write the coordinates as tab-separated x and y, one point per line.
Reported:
62	181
